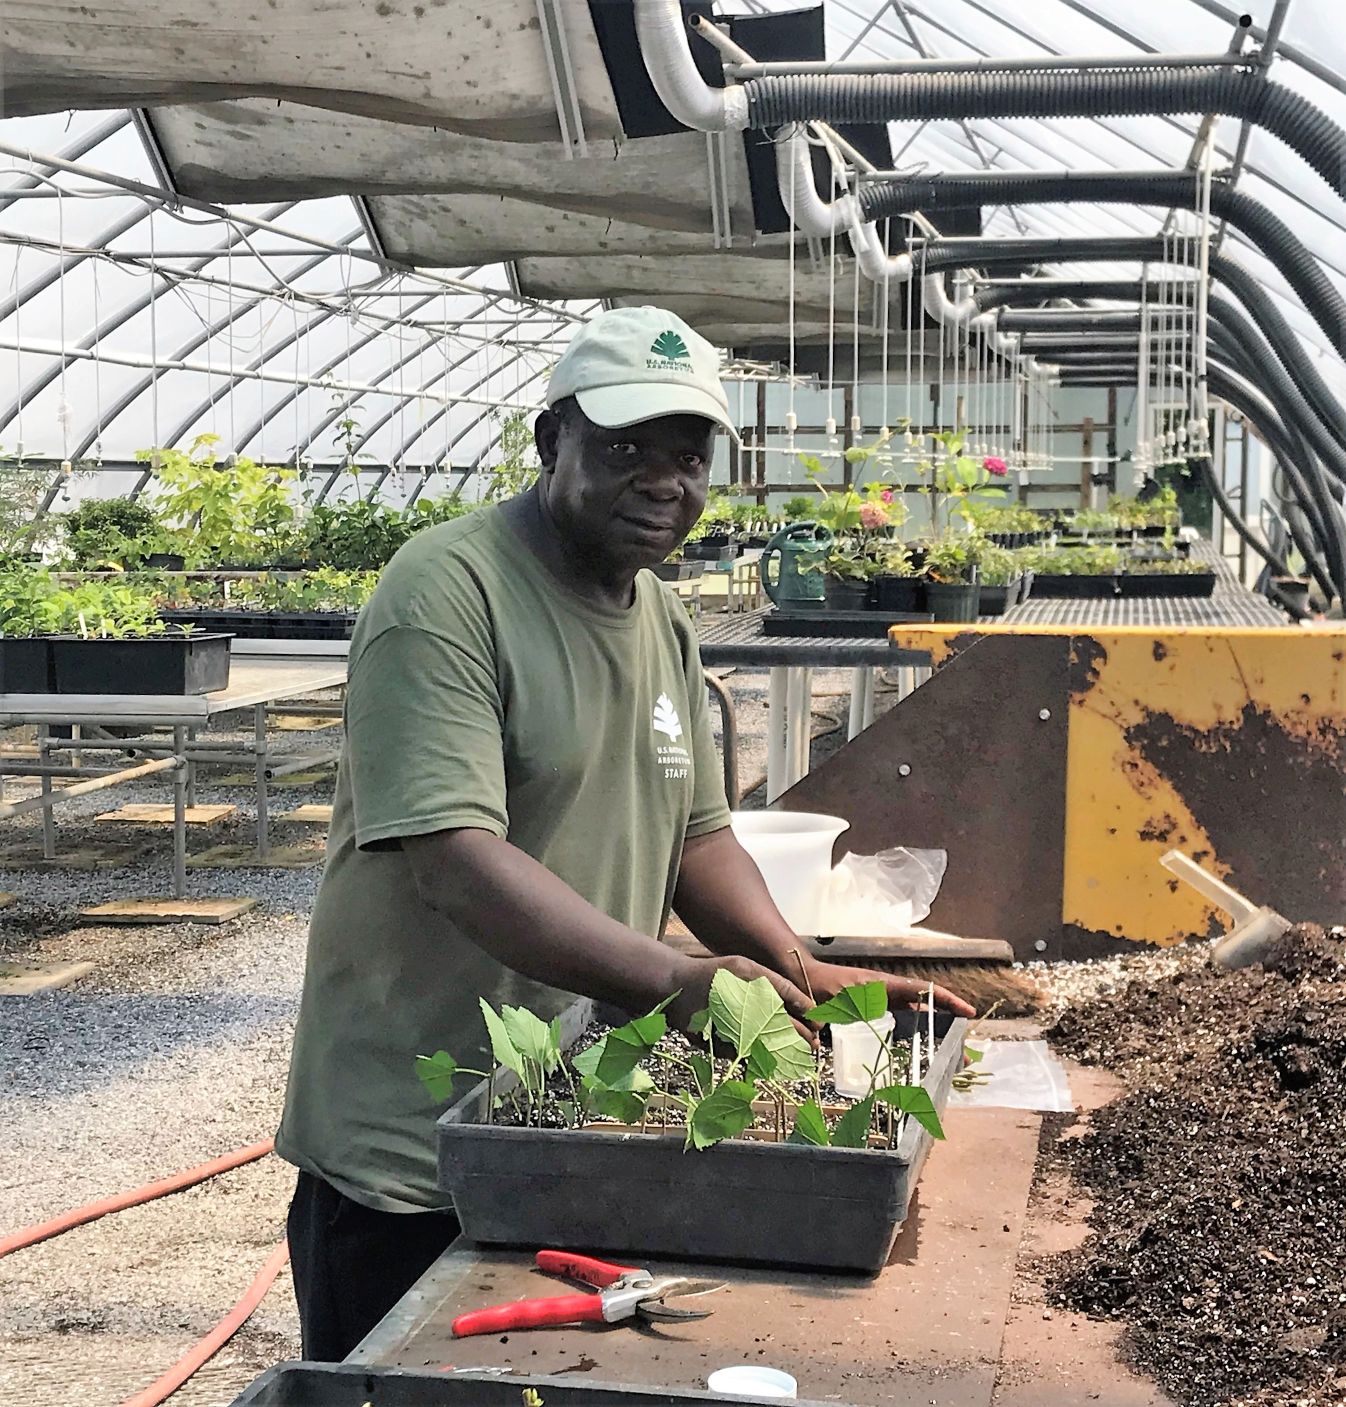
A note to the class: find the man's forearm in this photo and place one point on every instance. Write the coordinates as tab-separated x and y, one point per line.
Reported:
724	901
533	922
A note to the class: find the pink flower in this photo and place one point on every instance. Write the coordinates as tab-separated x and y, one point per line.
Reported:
873	515
993	464
887	495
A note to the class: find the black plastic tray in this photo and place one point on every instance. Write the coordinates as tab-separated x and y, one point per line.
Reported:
845	625
157	664
269	625
350	1385
26	665
641	1193
1127	585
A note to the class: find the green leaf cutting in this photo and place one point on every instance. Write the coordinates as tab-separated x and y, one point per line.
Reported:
916	1101
436	1073
866	1001
810	1126
852	1130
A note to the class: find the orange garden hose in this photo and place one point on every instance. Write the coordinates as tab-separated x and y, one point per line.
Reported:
91	1211
166	1385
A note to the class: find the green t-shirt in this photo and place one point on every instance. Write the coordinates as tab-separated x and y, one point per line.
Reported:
484	694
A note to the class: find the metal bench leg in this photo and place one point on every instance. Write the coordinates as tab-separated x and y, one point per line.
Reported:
728	736
777	732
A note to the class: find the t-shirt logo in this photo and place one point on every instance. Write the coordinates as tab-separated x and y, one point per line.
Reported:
668	352
666	718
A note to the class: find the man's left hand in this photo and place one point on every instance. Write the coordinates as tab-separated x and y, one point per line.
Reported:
828	978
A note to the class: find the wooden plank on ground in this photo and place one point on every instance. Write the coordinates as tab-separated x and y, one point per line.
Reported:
22	980
147	815
312	812
248	779
246	857
155	910
303	722
82	857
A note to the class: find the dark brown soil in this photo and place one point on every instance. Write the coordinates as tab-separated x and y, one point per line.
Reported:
1219	1218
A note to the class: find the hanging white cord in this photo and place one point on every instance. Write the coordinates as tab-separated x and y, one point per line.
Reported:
886	324
831	426
63	407
857	417
154	350
298	394
229	337
1201	426
1143	376
18	351
97	372
791	419
910	302
916	435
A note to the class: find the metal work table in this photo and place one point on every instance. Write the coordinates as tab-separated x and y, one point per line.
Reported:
737	641
930	1327
1230	604
254	683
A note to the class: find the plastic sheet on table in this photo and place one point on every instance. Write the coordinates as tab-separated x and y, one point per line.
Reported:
1023	1075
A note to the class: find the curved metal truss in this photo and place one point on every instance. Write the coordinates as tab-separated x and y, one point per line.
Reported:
173	319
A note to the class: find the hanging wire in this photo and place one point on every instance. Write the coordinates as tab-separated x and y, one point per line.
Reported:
831	426
886	320
97	373
154	352
791	419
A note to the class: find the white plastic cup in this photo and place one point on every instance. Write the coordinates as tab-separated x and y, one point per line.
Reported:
793	850
859	1049
752	1380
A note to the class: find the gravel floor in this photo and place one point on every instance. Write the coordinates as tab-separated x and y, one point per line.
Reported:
171	1051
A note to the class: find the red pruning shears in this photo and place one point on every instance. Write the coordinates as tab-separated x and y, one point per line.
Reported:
626	1290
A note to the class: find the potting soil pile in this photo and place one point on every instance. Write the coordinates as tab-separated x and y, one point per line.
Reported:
1219	1218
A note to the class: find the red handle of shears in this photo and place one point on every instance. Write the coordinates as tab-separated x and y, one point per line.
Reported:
530	1314
585	1269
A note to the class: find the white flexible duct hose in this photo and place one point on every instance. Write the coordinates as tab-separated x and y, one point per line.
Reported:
813	215
673	71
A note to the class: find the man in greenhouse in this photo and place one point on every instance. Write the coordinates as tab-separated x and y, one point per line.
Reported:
529	785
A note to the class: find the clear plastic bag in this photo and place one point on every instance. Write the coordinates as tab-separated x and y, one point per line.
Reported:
878	896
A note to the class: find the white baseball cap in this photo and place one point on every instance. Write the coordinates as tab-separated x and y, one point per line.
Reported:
632	364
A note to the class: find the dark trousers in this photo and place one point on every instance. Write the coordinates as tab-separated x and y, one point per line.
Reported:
352	1264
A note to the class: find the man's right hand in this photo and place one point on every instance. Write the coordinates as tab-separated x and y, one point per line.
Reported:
696	975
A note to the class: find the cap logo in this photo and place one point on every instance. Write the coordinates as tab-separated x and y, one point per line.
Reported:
666	351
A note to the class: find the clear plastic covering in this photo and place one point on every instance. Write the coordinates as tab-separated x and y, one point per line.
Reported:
125	323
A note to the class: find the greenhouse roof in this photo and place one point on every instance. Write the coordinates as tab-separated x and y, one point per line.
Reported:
370	229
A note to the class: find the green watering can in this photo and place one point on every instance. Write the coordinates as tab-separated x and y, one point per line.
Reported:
791	548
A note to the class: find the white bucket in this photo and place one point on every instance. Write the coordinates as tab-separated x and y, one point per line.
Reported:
793	850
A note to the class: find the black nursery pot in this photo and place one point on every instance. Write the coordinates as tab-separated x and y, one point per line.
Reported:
158	664
952	601
903	595
26	665
841	594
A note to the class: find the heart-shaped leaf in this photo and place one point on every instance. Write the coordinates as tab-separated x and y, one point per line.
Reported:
916	1101
744	1013
625	1106
810	1126
436	1073
704	1072
865	1001
852	1130
722	1114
